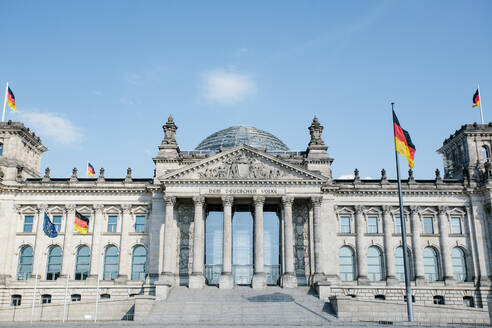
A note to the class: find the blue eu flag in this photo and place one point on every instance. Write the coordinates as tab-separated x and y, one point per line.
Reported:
49	228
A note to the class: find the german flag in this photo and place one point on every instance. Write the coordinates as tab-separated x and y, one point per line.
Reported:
10	99
403	142
81	223
476	99
90	170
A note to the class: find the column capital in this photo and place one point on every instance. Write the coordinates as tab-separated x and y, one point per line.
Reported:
359	209
316	201
227	200
259	200
99	208
387	209
126	208
170	200
287	200
42	207
198	200
442	210
69	207
413	209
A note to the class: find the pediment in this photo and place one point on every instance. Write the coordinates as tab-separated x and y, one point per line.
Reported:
242	163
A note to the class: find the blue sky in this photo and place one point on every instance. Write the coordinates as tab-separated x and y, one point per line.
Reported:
96	80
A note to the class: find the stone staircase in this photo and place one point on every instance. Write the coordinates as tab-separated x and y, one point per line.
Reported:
273	306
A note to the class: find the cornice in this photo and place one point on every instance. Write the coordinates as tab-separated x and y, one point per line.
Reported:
248	182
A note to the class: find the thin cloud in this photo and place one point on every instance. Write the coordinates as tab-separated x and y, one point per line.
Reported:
226	87
52	126
346	177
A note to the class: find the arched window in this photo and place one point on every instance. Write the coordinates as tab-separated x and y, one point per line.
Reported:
139	263
374	264
1	149
400	265
431	267
105	296
54	263
459	264
24	269
111	261
346	262
75	297
82	263
485	152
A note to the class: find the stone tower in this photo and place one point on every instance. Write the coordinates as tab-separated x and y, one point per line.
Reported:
20	152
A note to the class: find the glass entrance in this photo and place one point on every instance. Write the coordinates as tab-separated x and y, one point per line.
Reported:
213	246
242	246
271	254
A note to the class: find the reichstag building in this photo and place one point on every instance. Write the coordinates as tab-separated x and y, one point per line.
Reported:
244	209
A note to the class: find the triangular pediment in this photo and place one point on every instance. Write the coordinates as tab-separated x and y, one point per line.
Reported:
242	163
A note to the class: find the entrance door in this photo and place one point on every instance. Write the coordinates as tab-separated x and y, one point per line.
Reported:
271	254
213	246
242	247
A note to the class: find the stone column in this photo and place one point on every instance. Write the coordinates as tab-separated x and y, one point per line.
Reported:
97	256
156	233
360	228
169	264
126	253
447	265
226	280
40	251
388	247
418	257
259	278
289	279
319	274
197	278
68	266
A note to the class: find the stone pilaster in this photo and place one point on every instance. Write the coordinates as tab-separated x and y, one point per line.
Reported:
361	249
418	257
226	280
289	279
39	259
388	247
126	256
447	265
68	249
156	232
197	278
259	278
97	255
169	263
319	274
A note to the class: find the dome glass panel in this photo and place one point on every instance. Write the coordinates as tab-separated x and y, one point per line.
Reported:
237	135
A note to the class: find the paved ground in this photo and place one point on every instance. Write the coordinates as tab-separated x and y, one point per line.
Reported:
240	307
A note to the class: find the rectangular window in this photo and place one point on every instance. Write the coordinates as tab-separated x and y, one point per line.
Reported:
57	219
15	300
45	299
112	220
345	224
397	224
372	224
28	221
456	225
140	223
428	225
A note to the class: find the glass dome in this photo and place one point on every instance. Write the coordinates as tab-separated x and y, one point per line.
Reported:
237	135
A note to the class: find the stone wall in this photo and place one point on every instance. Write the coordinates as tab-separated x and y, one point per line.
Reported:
349	309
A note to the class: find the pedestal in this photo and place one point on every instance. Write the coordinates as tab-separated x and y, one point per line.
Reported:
289	280
196	281
392	281
259	280
226	281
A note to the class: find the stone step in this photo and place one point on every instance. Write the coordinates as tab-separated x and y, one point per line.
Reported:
242	306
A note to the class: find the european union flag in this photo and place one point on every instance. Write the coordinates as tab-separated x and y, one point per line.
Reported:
49	228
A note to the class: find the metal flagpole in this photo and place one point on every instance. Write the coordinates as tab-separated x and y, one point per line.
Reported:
408	287
5	101
35	287
65	301
97	290
480	99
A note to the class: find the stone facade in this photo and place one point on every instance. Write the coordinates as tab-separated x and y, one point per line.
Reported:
318	217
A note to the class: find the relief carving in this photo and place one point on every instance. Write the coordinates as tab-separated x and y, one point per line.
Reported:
241	166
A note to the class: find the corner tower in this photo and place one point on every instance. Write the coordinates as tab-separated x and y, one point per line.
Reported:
20	152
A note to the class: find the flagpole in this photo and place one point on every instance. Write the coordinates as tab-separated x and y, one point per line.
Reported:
5	102
479	97
65	301
35	287
408	287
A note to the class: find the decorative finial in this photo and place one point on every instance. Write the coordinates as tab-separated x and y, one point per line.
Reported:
384	178
315	130
356	176
74	175
101	174
410	176
438	175
128	174
169	131
47	173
